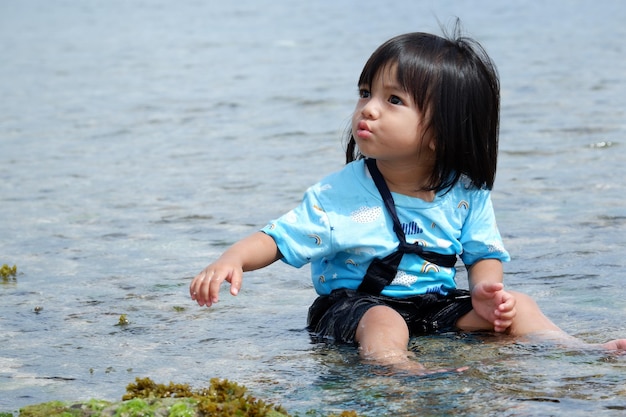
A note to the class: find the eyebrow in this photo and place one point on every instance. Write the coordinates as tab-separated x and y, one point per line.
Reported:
396	88
392	86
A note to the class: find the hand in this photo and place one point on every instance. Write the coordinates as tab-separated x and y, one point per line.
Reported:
205	287
493	304
256	251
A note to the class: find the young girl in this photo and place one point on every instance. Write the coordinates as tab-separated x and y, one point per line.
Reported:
383	234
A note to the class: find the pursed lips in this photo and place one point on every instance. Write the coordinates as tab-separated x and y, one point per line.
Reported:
363	130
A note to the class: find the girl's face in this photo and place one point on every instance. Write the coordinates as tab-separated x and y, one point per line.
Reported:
387	125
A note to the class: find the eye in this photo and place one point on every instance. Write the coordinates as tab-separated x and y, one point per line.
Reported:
395	100
364	93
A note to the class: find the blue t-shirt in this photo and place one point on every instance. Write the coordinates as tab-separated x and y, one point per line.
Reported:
341	226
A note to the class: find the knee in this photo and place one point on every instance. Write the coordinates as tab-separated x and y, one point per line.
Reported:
524	302
529	317
382	330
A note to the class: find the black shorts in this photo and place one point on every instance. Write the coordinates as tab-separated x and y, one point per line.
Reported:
335	317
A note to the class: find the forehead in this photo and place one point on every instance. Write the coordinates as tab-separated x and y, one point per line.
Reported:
387	75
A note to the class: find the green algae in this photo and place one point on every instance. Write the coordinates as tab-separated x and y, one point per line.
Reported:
134	408
182	409
145	398
221	398
96	408
123	320
8	273
92	408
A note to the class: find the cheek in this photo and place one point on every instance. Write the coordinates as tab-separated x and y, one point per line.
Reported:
357	110
355	117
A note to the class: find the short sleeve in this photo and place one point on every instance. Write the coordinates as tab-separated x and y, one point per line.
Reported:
302	234
480	237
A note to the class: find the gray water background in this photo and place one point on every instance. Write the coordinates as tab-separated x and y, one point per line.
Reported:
139	139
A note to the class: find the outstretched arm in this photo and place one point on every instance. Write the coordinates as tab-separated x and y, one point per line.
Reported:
254	252
489	299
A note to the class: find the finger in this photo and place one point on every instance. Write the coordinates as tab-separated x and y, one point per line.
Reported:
494	286
488	289
235	283
505	311
504	321
501	326
507	305
194	285
214	282
200	288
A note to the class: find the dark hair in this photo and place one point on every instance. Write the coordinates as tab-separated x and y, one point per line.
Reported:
455	85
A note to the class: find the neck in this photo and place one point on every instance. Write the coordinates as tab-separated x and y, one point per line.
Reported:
409	179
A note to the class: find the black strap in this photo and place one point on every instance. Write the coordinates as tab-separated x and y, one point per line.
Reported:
382	271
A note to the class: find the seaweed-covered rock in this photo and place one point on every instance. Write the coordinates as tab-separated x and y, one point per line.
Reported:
60	409
221	398
145	398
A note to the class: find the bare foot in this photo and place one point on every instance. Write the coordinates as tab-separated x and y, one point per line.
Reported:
564	340
406	365
618	344
421	370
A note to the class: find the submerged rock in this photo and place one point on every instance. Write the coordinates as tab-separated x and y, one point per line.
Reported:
145	398
153	407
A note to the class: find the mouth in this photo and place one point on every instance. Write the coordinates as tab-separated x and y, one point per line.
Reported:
362	130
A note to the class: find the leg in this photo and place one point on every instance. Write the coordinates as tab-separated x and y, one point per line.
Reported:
383	336
530	321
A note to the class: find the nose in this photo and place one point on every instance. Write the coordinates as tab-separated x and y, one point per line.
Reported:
371	109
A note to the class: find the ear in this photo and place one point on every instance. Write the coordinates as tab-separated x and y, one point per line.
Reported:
432	145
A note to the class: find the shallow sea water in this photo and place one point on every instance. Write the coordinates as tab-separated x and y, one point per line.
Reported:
140	139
